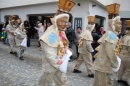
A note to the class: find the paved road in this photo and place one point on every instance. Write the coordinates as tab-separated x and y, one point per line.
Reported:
14	72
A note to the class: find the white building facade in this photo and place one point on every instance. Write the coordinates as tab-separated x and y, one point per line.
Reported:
82	9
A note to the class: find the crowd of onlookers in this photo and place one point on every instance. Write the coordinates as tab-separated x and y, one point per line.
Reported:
3	34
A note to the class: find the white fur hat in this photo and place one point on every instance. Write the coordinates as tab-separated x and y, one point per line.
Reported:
40	24
117	18
60	16
21	25
111	22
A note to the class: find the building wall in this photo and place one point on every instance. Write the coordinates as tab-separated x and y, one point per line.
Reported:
98	10
0	15
33	9
81	12
47	9
106	2
14	3
85	9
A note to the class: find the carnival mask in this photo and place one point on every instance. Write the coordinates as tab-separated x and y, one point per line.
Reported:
12	22
118	26
62	23
22	27
19	21
90	27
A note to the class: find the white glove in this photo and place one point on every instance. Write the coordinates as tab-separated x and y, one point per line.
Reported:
92	51
65	59
119	64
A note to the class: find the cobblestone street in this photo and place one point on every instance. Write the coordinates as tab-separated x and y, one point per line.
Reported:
14	72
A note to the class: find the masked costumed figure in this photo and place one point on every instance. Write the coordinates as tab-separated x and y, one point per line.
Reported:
20	34
107	59
85	48
124	71
10	28
54	45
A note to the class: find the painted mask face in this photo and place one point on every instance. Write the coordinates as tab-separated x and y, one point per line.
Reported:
19	21
62	23
91	27
22	27
12	22
118	26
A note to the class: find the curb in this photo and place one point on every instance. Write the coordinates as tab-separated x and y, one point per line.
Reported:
25	55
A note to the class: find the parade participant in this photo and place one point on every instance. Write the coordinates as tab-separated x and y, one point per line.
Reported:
124	71
10	28
106	59
54	44
20	34
85	48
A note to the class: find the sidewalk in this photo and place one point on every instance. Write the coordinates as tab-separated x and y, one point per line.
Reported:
31	52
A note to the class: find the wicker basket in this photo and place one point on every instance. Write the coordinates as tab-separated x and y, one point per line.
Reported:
91	18
128	22
113	8
61	4
68	6
11	17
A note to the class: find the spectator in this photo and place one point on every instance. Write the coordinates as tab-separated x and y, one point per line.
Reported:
4	33
101	32
95	43
28	30
70	33
48	24
78	32
40	30
4	36
1	26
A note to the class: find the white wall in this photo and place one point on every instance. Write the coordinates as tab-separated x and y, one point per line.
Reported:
77	11
0	15
13	3
85	9
81	12
106	2
33	9
98	10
